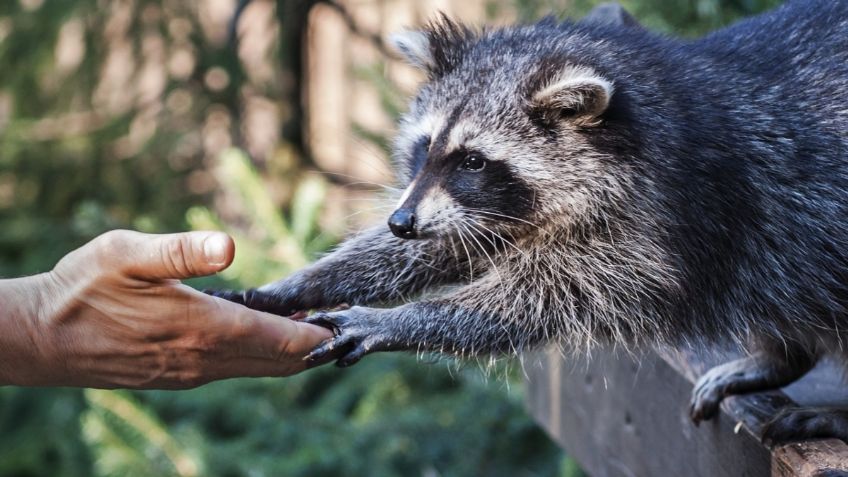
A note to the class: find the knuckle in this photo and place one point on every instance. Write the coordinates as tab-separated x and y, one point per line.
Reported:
176	258
195	353
109	245
114	238
202	342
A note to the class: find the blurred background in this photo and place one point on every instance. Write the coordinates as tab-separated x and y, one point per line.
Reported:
270	120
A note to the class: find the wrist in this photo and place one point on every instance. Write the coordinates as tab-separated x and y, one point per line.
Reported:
23	346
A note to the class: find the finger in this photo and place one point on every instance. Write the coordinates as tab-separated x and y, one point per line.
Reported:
169	256
266	336
256	367
291	341
280	365
330	348
255	343
294	339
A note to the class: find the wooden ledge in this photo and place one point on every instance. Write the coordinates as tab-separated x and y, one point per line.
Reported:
624	415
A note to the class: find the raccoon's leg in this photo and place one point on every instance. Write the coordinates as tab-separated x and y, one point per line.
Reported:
811	423
454	324
371	267
770	367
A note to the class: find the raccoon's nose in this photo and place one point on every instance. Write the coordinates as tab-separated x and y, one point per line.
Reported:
402	223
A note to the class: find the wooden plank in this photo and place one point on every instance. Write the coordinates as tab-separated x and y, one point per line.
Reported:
826	458
823	386
625	415
620	415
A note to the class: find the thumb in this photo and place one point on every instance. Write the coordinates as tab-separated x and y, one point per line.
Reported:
183	255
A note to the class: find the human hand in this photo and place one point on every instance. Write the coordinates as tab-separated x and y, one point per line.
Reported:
113	314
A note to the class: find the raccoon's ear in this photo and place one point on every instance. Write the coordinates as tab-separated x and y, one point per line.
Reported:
578	95
610	13
438	48
414	46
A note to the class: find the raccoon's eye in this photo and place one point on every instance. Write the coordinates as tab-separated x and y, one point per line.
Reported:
473	162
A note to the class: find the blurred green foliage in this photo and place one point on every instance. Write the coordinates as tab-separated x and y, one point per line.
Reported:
68	173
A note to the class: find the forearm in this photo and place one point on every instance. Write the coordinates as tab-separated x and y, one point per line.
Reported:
21	345
458	328
458	324
374	266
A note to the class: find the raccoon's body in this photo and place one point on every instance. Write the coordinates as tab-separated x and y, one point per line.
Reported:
589	182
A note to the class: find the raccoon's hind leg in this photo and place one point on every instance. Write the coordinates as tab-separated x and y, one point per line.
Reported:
795	424
768	368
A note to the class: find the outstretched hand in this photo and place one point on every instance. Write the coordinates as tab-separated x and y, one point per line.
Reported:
114	314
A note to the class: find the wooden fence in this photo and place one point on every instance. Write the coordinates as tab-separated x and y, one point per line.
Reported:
625	415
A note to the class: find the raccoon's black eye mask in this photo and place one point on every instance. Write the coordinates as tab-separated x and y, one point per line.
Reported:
419	154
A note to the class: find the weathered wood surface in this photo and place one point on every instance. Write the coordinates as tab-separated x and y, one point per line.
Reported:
624	415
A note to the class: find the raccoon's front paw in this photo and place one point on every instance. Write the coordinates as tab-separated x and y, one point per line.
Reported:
358	331
794	424
758	372
710	390
262	301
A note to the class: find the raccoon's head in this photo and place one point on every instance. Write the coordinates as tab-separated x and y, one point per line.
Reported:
496	141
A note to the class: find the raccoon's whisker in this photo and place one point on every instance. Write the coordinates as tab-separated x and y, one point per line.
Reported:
386	187
511	235
358	180
369	199
482	249
495	214
429	263
454	250
369	209
478	225
470	262
475	229
374	157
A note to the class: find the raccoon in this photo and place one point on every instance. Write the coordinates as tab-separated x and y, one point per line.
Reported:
595	182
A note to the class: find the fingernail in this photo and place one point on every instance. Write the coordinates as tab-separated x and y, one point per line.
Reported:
215	249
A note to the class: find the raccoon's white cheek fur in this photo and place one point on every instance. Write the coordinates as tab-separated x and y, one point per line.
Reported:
435	210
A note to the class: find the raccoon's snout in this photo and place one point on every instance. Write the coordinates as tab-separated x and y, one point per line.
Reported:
402	223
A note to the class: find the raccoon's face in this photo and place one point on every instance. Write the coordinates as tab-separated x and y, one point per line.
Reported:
458	183
492	144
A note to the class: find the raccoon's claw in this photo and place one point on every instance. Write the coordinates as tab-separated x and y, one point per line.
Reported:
755	373
709	391
794	424
357	332
230	295
328	348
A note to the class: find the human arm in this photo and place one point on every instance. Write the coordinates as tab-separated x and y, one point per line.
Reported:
113	314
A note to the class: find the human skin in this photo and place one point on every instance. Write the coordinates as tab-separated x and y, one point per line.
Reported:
113	314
